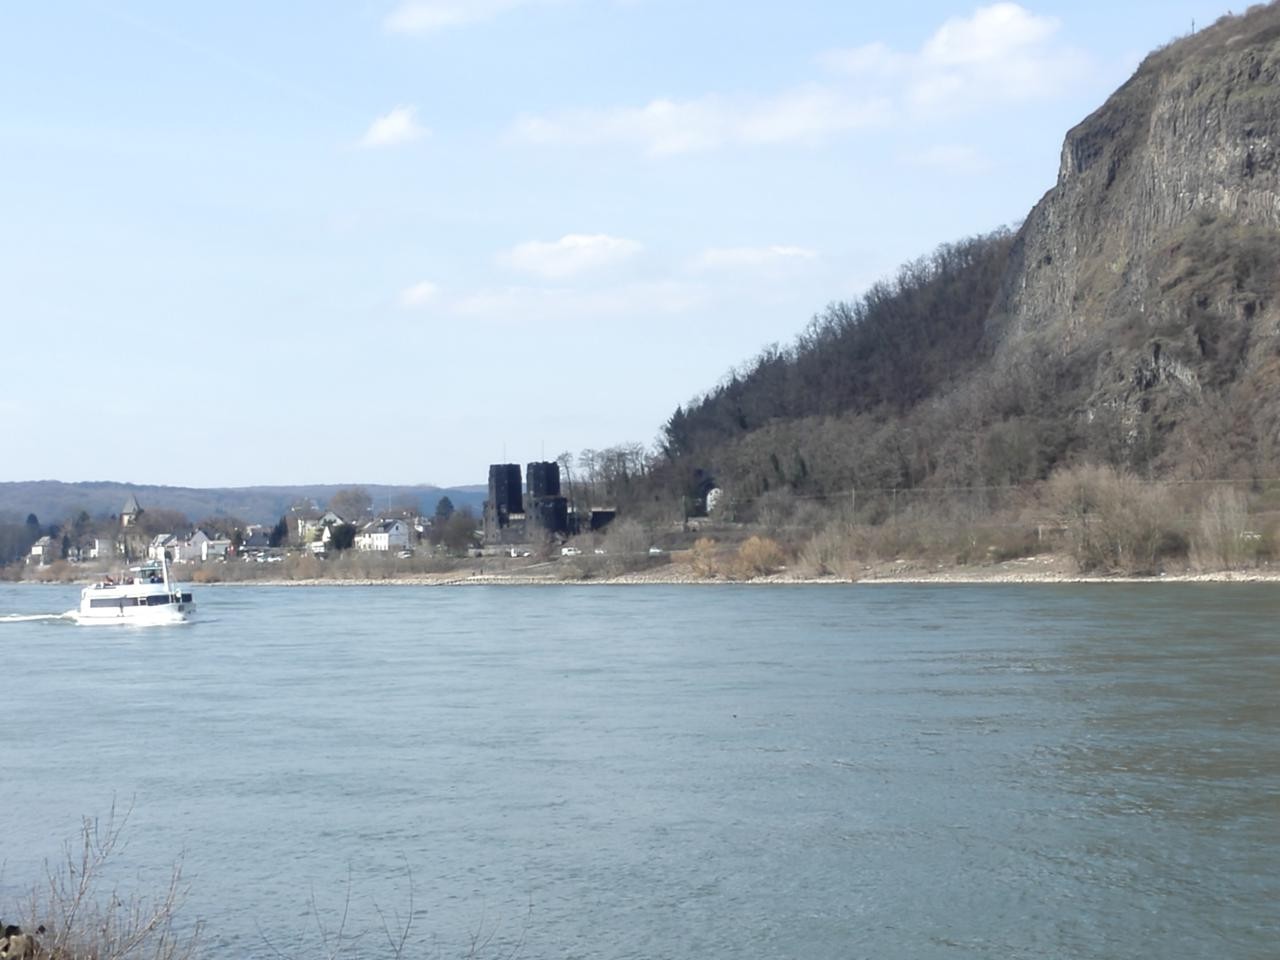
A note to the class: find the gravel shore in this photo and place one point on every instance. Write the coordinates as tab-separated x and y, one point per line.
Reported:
1046	569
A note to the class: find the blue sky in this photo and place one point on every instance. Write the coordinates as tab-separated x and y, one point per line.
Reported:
393	242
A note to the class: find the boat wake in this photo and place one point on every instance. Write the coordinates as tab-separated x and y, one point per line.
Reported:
33	617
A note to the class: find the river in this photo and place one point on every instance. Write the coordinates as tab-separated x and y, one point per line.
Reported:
648	771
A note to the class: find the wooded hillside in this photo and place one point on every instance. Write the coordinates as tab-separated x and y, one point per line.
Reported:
1131	321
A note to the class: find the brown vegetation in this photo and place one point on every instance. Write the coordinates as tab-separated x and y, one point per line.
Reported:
84	920
704	558
758	557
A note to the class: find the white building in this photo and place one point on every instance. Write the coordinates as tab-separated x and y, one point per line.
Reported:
162	545
44	551
383	535
103	549
310	530
214	549
191	549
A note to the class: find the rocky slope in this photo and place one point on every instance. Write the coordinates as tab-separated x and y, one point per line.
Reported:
1150	267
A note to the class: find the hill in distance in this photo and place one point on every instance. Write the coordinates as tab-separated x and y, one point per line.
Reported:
53	501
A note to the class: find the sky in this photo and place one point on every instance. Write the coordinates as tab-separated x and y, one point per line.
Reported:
394	241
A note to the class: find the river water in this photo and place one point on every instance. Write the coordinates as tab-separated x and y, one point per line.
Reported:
644	772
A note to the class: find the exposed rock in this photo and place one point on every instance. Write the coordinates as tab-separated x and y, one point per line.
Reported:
1155	252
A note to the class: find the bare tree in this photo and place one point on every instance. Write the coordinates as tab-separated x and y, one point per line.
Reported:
83	920
352	503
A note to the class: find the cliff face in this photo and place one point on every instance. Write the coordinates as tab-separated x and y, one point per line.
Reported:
1194	134
1152	259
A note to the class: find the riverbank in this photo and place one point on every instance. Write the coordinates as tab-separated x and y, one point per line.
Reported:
679	570
1047	569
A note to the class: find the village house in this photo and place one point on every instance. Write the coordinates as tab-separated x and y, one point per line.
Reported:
102	548
256	538
44	551
214	549
382	535
314	530
162	546
191	549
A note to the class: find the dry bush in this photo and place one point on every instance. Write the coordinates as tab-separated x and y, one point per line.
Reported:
627	546
84	919
1116	523
831	552
774	509
893	540
810	517
758	557
305	566
206	573
626	537
704	558
1011	542
992	542
1220	541
57	572
586	566
349	564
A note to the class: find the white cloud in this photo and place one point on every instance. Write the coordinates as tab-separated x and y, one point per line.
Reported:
428	16
992	34
571	255
418	295
753	258
1001	53
394	128
666	127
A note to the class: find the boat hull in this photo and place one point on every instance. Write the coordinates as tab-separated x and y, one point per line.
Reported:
136	616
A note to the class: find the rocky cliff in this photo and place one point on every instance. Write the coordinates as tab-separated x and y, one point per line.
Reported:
1150	266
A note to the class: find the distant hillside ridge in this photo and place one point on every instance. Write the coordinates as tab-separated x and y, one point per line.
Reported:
53	501
1132	319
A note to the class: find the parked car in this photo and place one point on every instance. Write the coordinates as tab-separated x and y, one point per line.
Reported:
570	552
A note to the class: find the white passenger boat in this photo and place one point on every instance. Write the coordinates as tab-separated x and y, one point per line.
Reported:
143	595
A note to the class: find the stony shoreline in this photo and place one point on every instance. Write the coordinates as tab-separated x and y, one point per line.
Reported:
1041	570
1035	571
